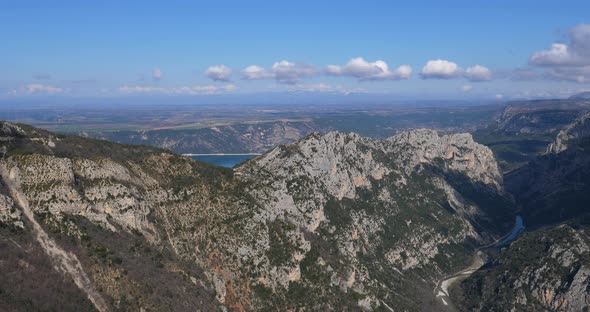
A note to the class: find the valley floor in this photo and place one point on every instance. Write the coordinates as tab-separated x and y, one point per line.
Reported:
442	289
480	258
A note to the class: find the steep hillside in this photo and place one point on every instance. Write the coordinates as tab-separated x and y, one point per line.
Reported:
540	116
524	129
375	216
556	186
82	210
581	96
570	135
549	268
331	222
238	138
544	271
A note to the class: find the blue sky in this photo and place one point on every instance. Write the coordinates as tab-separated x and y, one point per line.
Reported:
126	48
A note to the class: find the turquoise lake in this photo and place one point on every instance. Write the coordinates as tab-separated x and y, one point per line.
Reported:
228	161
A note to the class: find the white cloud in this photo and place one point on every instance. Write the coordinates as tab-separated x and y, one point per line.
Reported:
440	69
219	73
443	69
559	54
214	89
290	73
157	74
467	88
574	53
140	89
499	96
37	89
478	73
524	74
323	87
363	70
187	90
320	87
283	72
577	74
254	72
568	61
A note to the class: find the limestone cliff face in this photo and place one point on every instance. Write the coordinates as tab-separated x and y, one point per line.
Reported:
539	117
334	221
410	203
101	210
578	129
459	152
558	279
555	187
547	269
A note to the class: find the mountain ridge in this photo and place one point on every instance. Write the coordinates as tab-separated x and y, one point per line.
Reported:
334	221
551	193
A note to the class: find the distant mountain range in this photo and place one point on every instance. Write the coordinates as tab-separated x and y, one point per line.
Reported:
516	131
260	136
581	96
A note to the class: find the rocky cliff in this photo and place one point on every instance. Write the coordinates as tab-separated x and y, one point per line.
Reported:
331	222
555	187
549	268
544	271
539	116
525	128
373	215
578	129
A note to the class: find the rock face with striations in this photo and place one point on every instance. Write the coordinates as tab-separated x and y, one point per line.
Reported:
555	186
580	128
365	218
539	117
331	222
557	280
549	268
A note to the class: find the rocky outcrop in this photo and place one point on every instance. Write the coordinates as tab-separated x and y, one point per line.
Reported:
9	214
93	209
558	279
62	260
458	151
539	117
551	190
580	128
555	187
377	198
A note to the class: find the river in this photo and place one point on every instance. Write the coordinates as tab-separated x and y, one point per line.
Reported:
442	288
518	226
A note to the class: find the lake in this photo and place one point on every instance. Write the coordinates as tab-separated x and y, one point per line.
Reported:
227	160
